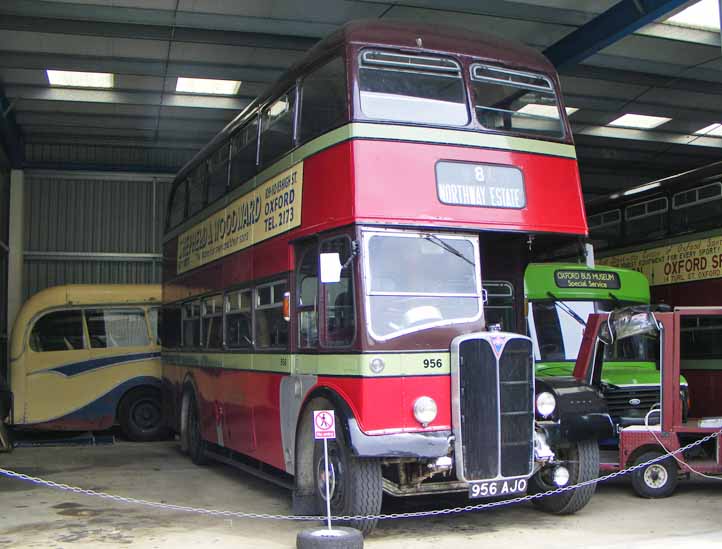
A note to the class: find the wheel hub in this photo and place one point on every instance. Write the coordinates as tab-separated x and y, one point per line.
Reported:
146	415
655	476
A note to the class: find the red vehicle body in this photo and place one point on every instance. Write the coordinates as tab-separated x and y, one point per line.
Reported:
689	346
363	188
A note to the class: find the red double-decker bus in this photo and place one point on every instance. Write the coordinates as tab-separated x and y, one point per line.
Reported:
329	250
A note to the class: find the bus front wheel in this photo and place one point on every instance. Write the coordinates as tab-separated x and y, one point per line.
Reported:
582	460
355	484
140	415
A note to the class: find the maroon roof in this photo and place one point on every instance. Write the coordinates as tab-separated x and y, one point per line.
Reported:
439	38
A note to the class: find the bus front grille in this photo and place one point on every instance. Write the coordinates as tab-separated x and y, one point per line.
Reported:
494	419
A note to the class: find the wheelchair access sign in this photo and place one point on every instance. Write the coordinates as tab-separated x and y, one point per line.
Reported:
324	424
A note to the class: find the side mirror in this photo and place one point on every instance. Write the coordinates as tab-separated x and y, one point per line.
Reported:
330	267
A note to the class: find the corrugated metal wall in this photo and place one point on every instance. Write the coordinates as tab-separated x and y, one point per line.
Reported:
92	228
4	217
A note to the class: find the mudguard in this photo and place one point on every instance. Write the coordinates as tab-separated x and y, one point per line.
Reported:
581	412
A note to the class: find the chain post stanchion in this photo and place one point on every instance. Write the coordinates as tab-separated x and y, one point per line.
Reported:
328	499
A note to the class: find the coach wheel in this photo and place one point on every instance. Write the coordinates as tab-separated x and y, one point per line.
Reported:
348	538
191	438
657	480
355	484
582	460
140	415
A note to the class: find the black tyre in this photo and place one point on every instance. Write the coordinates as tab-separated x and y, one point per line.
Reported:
140	415
337	538
582	460
191	440
658	480
355	484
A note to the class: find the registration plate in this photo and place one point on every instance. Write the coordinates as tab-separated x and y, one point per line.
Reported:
497	488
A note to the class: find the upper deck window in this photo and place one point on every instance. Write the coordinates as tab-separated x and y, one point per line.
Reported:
503	100
411	88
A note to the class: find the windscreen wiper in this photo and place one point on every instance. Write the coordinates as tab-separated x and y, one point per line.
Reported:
564	307
617	301
448	247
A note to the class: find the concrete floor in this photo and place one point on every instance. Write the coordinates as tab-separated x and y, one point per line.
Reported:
38	517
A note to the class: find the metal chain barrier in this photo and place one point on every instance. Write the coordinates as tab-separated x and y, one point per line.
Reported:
237	514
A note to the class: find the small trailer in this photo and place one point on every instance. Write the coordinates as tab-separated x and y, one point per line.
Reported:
689	345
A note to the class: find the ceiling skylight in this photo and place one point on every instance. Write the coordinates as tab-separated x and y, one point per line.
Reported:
78	79
703	15
712	129
547	111
639	121
207	86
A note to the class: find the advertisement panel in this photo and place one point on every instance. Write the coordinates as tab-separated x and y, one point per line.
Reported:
676	263
270	209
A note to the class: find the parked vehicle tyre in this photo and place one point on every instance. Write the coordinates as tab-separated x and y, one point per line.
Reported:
583	463
140	415
657	480
338	538
191	438
356	484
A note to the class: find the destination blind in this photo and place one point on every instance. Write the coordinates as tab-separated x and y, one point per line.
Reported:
597	280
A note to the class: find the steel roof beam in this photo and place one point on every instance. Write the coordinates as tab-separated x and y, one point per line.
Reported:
607	28
167	18
129	98
11	137
155	32
139	67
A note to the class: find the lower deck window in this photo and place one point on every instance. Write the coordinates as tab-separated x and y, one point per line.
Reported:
271	327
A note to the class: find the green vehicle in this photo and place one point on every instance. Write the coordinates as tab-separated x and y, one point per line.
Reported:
560	297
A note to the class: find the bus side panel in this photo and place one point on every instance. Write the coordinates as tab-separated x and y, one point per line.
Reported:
688	294
385	404
84	394
252	414
411	193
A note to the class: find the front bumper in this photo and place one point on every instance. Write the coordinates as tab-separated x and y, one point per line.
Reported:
573	428
433	444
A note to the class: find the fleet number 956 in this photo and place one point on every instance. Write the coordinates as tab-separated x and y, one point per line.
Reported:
494	488
433	363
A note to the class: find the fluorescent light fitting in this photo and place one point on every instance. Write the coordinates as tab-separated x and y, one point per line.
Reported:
207	86
641	189
639	121
703	15
712	129
547	111
77	79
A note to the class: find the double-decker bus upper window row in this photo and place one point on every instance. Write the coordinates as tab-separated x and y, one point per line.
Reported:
410	88
697	208
515	101
418	280
324	107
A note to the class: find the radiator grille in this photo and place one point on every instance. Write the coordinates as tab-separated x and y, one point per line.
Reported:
496	399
